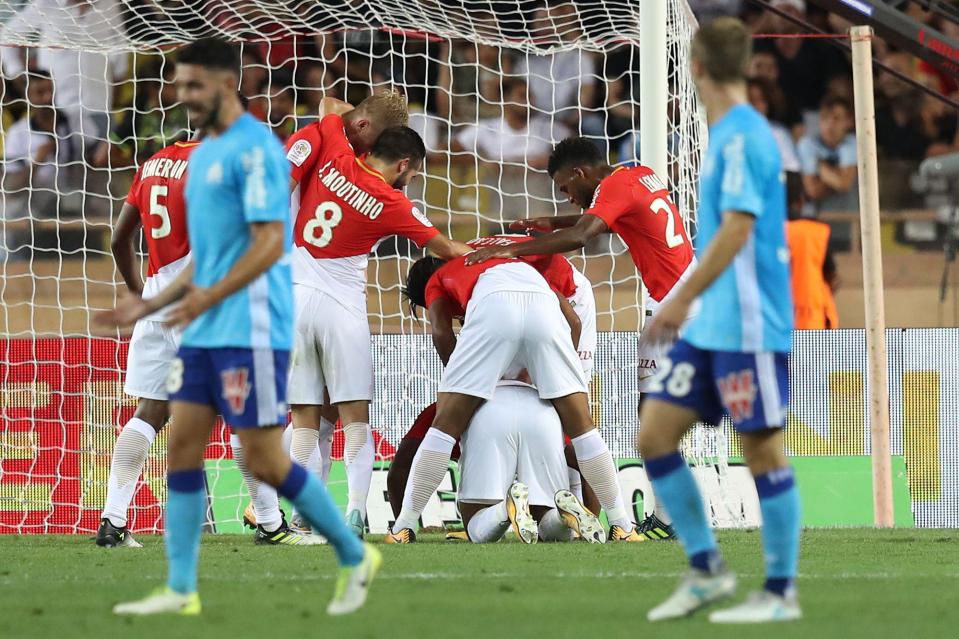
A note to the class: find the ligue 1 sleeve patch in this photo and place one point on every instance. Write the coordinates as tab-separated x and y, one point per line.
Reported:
298	153
419	215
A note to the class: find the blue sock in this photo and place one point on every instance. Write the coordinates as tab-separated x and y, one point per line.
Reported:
186	505
313	502
676	488
779	503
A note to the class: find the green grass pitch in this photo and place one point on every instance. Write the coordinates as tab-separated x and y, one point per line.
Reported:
853	583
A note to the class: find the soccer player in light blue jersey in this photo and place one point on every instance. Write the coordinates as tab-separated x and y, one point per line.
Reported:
236	304
732	357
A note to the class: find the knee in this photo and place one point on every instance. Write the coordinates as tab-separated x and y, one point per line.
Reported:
653	444
153	412
263	470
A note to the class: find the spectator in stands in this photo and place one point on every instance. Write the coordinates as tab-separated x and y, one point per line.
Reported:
898	121
768	99
805	66
563	83
469	80
813	271
828	160
281	111
254	76
506	147
314	82
38	180
73	32
155	120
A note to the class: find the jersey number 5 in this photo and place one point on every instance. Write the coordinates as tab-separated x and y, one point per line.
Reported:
673	239
327	216
160	210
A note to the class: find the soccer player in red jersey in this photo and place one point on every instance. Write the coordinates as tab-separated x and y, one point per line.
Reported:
155	202
345	205
633	203
511	317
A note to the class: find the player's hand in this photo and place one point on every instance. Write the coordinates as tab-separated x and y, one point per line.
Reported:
128	310
541	224
488	253
664	326
194	303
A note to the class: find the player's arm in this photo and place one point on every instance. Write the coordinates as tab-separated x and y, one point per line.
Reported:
266	247
562	241
123	248
575	324
332	105
446	249
131	308
441	326
545	224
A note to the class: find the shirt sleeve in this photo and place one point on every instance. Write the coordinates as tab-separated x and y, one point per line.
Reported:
609	202
334	140
133	196
741	180
413	224
303	150
434	291
807	157
468	138
847	152
265	182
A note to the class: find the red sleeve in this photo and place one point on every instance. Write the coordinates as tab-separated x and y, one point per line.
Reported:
333	132
435	290
303	150
133	197
410	222
611	201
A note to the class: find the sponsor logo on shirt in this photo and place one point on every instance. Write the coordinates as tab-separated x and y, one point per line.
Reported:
421	217
299	152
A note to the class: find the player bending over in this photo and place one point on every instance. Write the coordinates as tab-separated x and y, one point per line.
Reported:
732	357
155	201
347	205
512	471
511	317
635	204
236	305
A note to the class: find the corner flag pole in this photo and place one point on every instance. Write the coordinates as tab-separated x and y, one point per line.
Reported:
872	276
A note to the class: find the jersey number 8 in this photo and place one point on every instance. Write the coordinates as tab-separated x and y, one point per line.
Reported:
327	216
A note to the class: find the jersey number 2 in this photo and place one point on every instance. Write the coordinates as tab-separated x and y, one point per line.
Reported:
327	216
160	210
673	239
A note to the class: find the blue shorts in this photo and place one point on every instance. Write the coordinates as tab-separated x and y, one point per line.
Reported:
246	386
752	388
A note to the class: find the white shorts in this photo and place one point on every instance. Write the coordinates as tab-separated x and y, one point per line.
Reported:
651	354
585	306
519	328
331	350
153	347
513	436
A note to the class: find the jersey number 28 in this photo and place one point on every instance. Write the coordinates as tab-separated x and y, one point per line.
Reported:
319	230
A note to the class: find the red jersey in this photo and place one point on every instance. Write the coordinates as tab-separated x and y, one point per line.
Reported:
343	209
423	423
555	268
157	193
635	204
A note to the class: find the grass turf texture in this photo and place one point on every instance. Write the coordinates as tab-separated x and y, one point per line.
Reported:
853	583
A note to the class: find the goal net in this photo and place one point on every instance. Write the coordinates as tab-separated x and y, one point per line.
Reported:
491	87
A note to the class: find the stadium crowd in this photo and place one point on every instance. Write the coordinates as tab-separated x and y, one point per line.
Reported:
488	115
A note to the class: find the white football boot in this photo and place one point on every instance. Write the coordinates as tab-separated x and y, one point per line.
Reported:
697	590
761	607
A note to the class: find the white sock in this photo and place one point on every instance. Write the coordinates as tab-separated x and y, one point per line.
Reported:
303	444
596	466
489	525
324	452
266	504
552	528
129	456
575	483
428	469
358	455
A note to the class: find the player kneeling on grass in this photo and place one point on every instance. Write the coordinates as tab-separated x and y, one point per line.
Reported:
512	471
237	299
511	317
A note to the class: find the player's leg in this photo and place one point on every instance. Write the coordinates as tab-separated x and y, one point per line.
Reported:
754	390
152	348
453	414
658	524
682	393
399	473
581	490
484	523
358	456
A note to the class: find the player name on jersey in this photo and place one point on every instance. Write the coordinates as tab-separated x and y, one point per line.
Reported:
163	167
652	182
364	203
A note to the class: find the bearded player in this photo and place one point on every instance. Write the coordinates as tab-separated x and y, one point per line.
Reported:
511	317
633	203
346	206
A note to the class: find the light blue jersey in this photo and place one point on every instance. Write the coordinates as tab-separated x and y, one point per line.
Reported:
237	178
749	307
